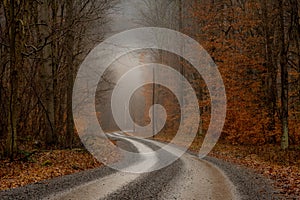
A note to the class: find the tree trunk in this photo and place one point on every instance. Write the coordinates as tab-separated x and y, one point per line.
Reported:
272	69
47	78
296	24
70	70
181	61
11	144
284	80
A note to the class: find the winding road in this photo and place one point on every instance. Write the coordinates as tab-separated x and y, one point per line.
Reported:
187	178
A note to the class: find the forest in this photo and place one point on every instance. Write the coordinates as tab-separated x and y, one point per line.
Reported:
42	45
254	43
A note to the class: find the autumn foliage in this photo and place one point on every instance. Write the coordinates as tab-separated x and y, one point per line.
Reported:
244	40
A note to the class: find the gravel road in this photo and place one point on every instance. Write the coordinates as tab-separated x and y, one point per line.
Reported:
187	178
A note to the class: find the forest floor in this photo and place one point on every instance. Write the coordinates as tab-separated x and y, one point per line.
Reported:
44	165
284	172
281	167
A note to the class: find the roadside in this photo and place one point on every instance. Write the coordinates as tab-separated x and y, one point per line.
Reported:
41	165
44	165
282	168
286	176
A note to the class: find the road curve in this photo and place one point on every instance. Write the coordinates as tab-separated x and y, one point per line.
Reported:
187	178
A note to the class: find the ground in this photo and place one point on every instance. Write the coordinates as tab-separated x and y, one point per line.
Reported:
268	160
44	165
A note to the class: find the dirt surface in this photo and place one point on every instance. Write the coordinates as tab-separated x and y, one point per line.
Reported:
215	179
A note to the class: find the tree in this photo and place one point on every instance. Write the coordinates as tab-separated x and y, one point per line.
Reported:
284	78
13	100
69	61
37	73
47	74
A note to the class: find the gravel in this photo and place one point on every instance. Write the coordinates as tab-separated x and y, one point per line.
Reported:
149	185
248	184
45	188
